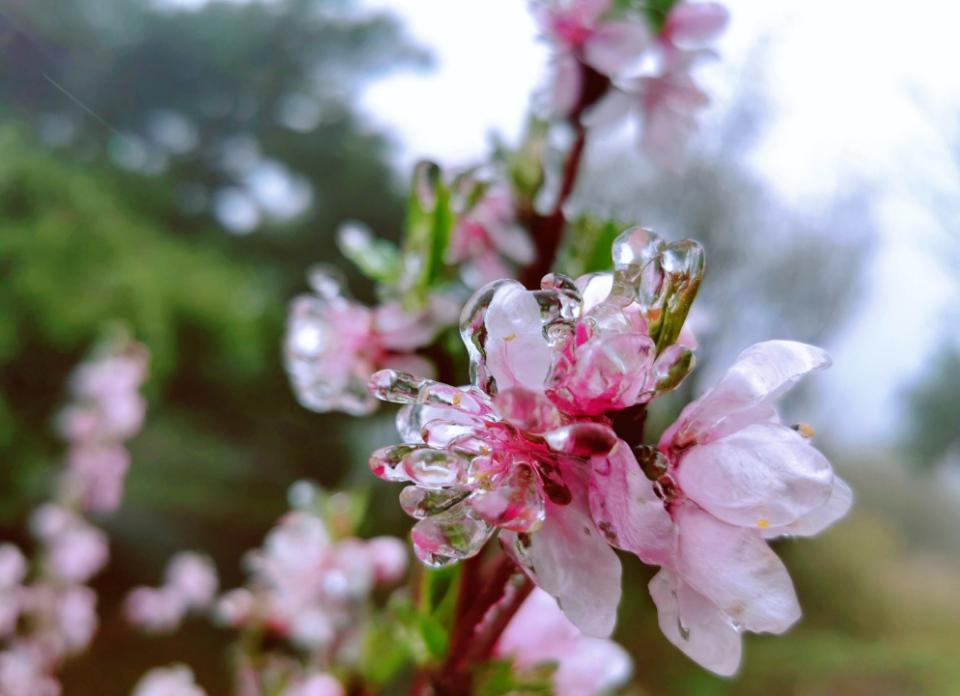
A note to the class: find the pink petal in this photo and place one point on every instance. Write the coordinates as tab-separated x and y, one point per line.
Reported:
692	23
747	392
517	352
818	519
613	46
695	624
626	509
735	569
565	83
765	475
569	558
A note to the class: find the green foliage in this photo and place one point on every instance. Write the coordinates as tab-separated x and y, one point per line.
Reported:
430	221
932	407
586	245
503	678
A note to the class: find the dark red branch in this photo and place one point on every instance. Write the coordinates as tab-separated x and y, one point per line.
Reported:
547	230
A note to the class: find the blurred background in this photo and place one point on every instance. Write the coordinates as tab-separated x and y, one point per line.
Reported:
177	165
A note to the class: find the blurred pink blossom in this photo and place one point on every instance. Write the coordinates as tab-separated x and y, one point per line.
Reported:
487	235
540	633
22	675
333	344
175	680
190	584
317	684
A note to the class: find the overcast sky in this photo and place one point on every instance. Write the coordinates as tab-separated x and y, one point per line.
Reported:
860	90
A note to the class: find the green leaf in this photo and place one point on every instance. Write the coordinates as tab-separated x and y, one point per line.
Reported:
501	678
430	221
586	245
378	259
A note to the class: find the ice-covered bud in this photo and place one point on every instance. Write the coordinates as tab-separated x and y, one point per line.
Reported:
156	610
175	680
193	577
540	633
13	566
333	344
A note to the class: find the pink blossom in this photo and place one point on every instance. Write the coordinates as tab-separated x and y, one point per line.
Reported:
157	610
587	31
76	616
22	675
486	235
95	476
316	684
13	566
109	407
540	633
333	344
175	680
727	476
193	577
511	464
389	558
74	549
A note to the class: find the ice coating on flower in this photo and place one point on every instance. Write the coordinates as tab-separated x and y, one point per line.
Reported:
486	237
175	680
540	633
510	463
725	477
333	343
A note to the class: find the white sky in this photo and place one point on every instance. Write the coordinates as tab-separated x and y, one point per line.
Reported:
859	89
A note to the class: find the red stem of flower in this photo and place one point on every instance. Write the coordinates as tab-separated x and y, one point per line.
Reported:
484	609
547	230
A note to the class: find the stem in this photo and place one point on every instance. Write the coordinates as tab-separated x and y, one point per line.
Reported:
480	621
547	230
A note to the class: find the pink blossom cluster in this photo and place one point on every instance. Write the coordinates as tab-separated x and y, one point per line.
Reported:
312	589
334	343
51	616
487	242
649	72
533	451
175	680
107	410
190	585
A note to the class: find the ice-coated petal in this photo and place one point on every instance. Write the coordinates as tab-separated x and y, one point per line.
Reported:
613	46
513	501
517	354
695	624
765	475
582	439
626	509
449	536
818	519
422	502
433	468
736	570
747	392
569	558
527	410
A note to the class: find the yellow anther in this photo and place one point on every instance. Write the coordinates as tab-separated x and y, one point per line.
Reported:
510	337
457	398
806	431
763	523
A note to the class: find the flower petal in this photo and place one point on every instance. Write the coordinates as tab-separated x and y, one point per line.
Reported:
569	558
695	624
818	519
747	392
626	509
517	352
613	46
765	475
735	568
